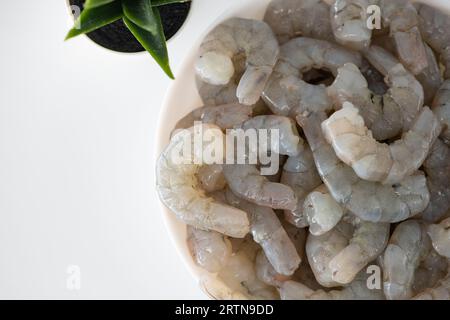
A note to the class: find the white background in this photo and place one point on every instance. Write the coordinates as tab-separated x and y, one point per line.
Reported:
77	140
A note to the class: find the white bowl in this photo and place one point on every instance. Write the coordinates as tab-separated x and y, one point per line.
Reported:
181	98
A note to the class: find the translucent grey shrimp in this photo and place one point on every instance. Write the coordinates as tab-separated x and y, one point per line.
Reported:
381	113
322	212
267	273
211	250
370	201
290	143
391	163
349	23
402	18
246	182
286	93
431	270
231	38
301	175
440	237
211	178
439	292
321	249
225	116
408	245
441	107
434	26
270	234
294	18
437	167
179	188
430	78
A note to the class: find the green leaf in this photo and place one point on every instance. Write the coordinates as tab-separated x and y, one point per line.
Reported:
157	3
140	12
153	42
92	19
96	3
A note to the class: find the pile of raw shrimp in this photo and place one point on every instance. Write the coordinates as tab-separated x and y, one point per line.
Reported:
360	207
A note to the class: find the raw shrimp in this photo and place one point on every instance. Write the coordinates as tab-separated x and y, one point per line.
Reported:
357	290
431	270
439	292
430	78
382	114
368	242
300	174
180	191
293	18
368	200
374	161
233	37
269	233
211	250
405	90
321	249
290	143
407	247
286	93
211	178
267	273
434	26
349	23
441	106
225	116
437	167
246	182
322	211
440	237
402	18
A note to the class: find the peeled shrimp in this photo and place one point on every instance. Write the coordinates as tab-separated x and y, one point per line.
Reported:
179	188
382	114
321	249
229	39
354	145
405	90
440	292
286	93
430	78
269	233
300	174
211	178
402	18
211	250
370	201
246	182
437	167
225	116
289	143
441	106
293	18
408	245
322	211
349	23
434	26
267	273
440	237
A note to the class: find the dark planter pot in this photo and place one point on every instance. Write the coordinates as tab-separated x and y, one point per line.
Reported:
117	37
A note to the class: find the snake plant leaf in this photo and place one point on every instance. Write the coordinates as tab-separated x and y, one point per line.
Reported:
89	4
140	13
92	19
153	42
157	3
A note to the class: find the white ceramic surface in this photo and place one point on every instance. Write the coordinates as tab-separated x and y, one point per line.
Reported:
182	97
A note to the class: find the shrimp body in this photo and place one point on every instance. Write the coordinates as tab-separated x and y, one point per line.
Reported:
441	106
211	250
430	78
179	188
286	93
300	174
370	201
270	234
440	237
229	39
354	144
294	18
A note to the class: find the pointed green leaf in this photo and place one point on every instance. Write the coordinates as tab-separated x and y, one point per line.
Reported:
153	42
140	13
92	19
89	4
157	3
